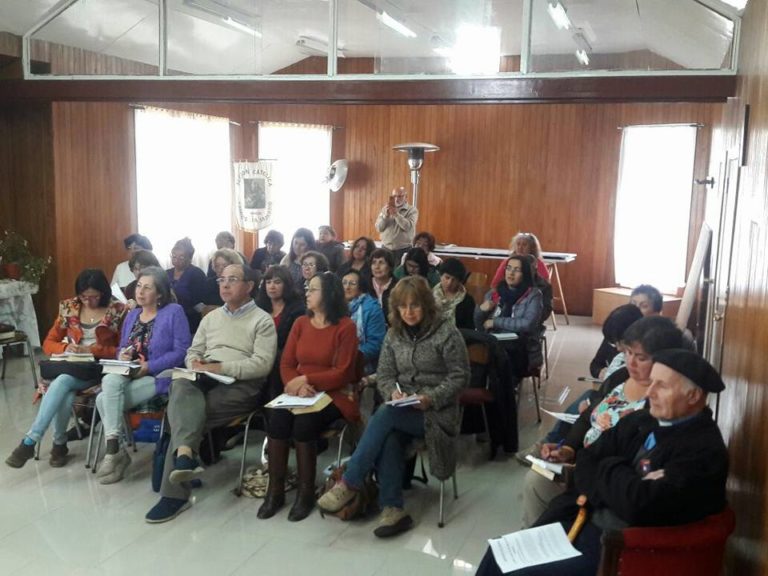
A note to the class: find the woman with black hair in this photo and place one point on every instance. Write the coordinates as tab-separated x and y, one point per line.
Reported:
88	323
278	297
320	356
415	263
359	258
515	305
367	316
303	241
123	275
271	254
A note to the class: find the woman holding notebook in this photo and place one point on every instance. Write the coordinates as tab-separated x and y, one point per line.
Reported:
155	337
423	366
320	356
89	323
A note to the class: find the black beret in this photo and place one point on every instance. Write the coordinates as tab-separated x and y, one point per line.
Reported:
454	267
693	367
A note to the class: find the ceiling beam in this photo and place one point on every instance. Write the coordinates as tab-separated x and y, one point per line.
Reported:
687	88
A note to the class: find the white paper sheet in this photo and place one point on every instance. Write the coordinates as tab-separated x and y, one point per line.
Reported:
118	293
288	401
552	466
402	402
562	416
532	547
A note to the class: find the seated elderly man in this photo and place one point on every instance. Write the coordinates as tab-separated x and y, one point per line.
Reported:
658	467
237	340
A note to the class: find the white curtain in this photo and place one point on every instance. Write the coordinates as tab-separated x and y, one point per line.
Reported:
302	155
653	205
183	180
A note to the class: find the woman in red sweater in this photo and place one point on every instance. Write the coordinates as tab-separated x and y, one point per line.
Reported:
320	356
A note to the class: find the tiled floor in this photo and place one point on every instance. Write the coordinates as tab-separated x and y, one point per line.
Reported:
62	521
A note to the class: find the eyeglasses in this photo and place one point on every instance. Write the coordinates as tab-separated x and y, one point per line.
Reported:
349	283
410	307
513	269
85	298
308	265
228	280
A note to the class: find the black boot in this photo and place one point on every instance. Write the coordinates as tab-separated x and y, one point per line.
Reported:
277	452
306	462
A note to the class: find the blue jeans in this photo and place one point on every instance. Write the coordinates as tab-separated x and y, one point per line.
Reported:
383	445
56	406
560	429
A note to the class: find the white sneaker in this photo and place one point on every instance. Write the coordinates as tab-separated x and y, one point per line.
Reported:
113	467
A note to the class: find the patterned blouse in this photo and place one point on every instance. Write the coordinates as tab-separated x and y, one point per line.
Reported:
614	406
139	338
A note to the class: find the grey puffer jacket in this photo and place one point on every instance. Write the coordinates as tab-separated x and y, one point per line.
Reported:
437	366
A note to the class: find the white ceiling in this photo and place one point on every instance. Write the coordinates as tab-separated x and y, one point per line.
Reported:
682	31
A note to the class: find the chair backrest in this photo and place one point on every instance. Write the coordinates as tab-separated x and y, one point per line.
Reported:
477	286
690	550
478	353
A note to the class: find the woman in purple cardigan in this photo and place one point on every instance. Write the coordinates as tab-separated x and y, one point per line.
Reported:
156	336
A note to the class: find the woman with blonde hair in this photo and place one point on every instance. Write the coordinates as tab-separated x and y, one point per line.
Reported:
424	357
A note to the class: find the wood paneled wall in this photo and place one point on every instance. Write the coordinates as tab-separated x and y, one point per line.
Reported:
95	189
27	203
547	169
744	403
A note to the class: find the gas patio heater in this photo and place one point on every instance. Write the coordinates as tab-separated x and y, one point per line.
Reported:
415	151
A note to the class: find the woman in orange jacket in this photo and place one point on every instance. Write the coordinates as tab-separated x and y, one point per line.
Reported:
88	323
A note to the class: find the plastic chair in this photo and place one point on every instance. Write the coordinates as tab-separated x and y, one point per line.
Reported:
695	549
20	339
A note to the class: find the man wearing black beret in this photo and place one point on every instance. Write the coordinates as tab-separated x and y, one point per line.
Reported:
663	466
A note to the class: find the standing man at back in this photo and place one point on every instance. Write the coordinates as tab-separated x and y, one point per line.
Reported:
396	223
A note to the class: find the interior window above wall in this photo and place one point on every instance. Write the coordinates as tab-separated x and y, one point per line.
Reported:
183	180
300	195
653	205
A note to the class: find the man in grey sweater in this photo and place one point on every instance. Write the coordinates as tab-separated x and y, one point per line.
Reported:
237	340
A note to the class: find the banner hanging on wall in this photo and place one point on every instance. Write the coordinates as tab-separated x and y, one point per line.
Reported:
253	194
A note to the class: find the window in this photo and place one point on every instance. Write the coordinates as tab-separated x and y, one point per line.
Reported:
301	155
183	180
653	205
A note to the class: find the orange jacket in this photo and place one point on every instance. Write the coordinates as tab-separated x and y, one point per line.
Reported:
67	325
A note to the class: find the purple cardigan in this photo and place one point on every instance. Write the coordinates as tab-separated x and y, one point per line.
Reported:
168	344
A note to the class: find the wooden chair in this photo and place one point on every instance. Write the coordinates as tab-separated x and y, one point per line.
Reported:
691	550
479	357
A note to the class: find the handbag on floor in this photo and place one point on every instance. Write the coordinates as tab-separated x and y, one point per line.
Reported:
364	502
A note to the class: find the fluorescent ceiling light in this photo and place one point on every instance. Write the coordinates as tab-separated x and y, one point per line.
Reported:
477	50
581	41
396	25
242	27
316	47
582	57
559	15
738	4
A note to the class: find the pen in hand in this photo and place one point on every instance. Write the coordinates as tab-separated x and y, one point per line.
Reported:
557	449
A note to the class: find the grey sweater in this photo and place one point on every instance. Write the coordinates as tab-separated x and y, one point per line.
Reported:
245	345
437	366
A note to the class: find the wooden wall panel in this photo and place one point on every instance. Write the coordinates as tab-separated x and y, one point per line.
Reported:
26	190
547	169
744	403
95	187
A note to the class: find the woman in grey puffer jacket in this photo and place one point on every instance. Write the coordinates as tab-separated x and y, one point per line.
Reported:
425	356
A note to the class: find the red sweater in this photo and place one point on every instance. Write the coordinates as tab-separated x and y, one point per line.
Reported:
327	357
